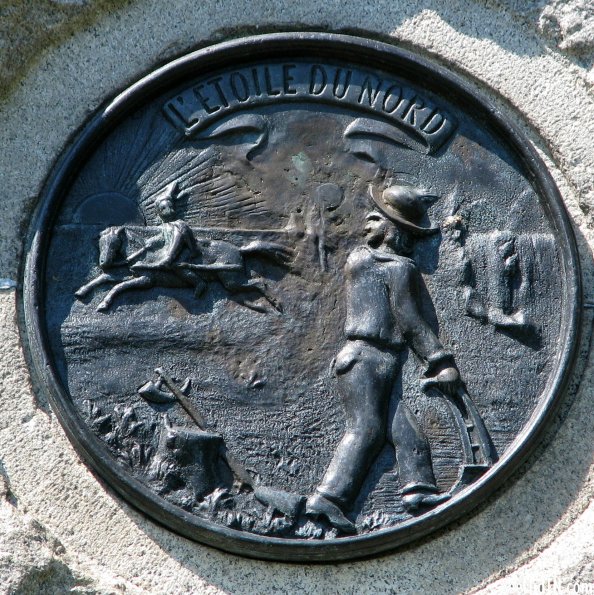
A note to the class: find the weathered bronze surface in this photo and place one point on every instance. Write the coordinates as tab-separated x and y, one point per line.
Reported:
301	296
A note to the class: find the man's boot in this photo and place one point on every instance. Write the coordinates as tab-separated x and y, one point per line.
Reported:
317	505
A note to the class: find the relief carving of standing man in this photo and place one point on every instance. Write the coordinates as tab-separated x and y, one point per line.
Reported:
383	318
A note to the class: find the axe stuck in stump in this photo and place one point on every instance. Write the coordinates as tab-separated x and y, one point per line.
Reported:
287	503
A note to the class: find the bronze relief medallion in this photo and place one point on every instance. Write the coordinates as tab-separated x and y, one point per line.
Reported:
303	297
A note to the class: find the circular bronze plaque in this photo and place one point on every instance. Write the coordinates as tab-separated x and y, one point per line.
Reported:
301	296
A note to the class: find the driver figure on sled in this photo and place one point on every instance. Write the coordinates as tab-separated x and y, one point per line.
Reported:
175	242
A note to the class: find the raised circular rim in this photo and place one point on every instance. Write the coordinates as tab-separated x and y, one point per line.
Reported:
359	51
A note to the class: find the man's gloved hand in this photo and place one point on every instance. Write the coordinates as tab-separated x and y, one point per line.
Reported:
446	379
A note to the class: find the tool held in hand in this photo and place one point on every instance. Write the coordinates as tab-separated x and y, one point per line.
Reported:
479	453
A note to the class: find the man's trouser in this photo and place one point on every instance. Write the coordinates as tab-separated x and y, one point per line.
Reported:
366	375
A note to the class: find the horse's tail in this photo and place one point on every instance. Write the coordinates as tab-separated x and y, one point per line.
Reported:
272	250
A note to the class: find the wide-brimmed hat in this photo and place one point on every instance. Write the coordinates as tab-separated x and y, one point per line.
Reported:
405	205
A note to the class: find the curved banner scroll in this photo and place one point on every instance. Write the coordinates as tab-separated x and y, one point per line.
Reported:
210	100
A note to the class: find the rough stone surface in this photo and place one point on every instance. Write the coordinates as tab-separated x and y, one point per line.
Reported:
567	563
570	25
33	561
529	58
26	28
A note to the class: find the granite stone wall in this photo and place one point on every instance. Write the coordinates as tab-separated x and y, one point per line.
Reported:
61	529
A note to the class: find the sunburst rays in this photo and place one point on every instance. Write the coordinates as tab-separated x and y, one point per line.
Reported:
146	154
124	155
208	193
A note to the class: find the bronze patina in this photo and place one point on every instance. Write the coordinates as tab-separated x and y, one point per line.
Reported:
302	297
